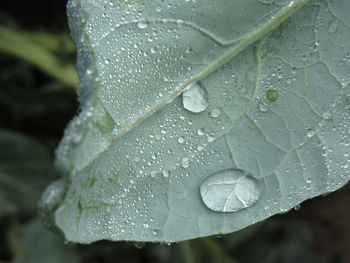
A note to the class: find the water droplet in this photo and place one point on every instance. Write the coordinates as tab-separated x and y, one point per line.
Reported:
181	140
153	50
215	113
210	138
107	61
310	133
263	106
229	190
139	245
297	207
166	173
142	25
200	131
195	98
272	95
327	115
185	162
333	27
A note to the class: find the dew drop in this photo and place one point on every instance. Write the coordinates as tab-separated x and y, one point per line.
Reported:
166	174
297	207
195	98
185	162
200	131
229	190
215	113
181	140
327	115
310	133
333	27
263	106
142	25
139	245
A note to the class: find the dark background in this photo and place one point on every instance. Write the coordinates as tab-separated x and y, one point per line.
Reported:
36	107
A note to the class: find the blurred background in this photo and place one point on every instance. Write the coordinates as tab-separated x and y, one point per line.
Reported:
38	85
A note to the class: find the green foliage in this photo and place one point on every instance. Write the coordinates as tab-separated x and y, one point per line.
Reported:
257	84
264	113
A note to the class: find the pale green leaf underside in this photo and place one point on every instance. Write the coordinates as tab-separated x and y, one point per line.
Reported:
125	153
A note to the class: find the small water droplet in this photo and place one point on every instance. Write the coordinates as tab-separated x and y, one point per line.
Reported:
210	138
107	61
166	174
327	115
142	25
310	133
185	162
200	131
297	207
229	190
263	106
139	245
153	50
215	113
195	98
333	27
181	140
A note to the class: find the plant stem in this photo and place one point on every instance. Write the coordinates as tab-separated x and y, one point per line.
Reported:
218	254
186	252
24	48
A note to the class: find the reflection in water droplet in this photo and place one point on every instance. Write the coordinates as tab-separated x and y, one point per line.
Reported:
195	98
215	113
229	190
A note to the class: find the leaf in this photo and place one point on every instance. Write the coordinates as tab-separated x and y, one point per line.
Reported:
6	207
277	109
25	169
37	244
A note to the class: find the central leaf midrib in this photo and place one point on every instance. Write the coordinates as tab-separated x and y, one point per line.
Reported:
255	35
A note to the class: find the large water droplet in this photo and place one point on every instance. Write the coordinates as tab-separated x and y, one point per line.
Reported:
229	190
195	98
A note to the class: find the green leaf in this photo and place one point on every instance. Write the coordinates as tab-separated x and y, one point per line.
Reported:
135	158
6	207
25	169
35	244
39	53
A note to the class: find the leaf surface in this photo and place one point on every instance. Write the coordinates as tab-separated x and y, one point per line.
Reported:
274	75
